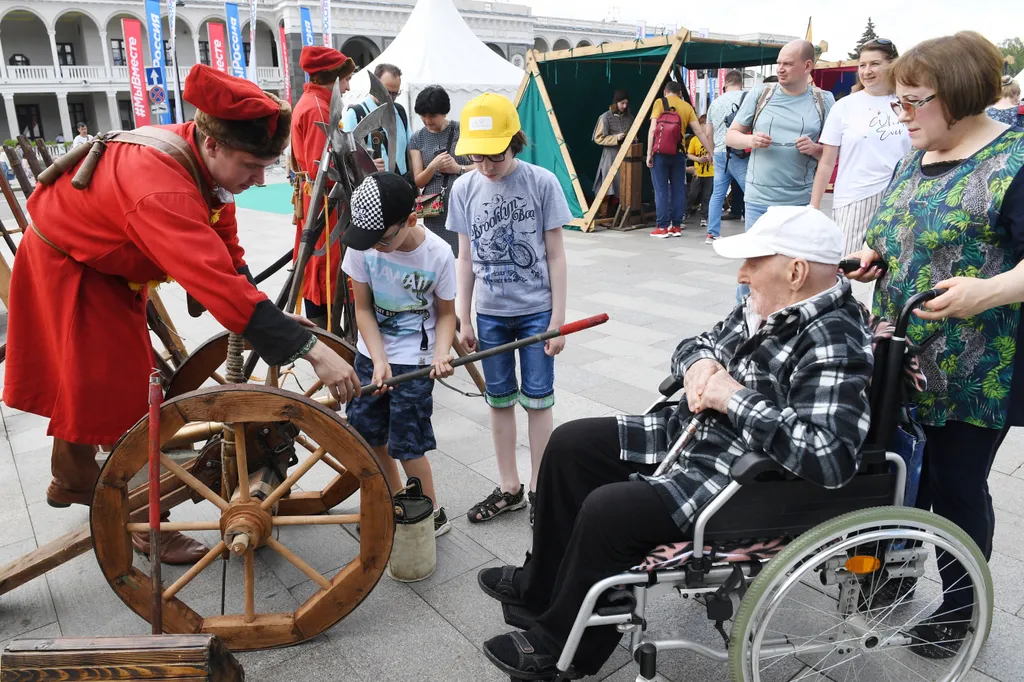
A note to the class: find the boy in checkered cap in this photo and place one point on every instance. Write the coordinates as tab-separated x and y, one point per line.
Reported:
403	277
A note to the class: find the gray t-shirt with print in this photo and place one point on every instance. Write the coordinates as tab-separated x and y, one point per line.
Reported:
505	221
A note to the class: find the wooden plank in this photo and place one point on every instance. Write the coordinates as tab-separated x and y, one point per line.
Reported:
40	560
267	630
634	130
30	155
608	48
44	153
19	172
5	281
553	118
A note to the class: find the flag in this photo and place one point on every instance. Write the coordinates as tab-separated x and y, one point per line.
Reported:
325	16
807	36
285	70
307	30
218	48
155	78
172	15
236	53
721	81
252	42
132	30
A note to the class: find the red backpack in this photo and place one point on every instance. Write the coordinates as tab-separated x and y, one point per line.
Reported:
668	130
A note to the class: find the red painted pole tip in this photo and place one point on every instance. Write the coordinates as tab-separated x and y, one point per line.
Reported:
580	325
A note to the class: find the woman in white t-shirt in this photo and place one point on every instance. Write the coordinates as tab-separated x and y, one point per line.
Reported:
868	139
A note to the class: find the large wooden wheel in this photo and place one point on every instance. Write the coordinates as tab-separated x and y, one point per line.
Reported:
245	523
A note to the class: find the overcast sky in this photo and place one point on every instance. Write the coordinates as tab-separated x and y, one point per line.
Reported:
839	24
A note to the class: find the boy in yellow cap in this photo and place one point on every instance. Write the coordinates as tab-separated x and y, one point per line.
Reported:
509	216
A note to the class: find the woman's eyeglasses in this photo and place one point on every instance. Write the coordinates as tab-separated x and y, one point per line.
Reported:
909	106
494	158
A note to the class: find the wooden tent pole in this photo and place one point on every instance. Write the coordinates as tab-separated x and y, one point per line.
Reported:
641	116
557	130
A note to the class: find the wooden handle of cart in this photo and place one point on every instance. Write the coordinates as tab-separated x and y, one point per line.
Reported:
564	330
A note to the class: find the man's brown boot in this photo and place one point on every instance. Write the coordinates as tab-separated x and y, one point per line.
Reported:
175	549
74	470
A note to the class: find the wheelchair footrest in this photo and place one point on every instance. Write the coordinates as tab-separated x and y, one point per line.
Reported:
618	602
518	616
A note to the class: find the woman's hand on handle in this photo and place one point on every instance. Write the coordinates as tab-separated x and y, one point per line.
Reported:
964	297
337	375
867	273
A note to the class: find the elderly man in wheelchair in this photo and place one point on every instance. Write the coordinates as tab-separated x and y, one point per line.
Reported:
770	455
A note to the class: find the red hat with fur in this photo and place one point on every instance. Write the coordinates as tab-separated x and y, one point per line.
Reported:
315	58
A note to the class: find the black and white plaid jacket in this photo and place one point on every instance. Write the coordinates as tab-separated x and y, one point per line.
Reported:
805	402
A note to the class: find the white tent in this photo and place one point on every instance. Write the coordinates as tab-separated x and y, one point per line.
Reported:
1020	78
436	47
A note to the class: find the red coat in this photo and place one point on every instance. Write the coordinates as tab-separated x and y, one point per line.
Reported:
307	147
78	348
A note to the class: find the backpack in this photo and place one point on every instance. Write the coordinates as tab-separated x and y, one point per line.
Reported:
361	113
668	131
738	153
769	92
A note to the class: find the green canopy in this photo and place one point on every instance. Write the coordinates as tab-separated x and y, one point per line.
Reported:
580	88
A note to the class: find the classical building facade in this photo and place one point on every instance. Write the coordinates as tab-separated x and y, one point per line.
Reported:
62	62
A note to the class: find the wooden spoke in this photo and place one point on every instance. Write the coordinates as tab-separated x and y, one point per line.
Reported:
273	377
298	563
329	519
299	472
314	388
242	462
175	525
193	482
327	457
218	378
191	573
250	587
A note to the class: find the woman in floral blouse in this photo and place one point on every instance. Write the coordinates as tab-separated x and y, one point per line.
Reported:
953	218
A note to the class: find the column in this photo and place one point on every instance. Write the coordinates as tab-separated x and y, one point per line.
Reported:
65	116
115	113
106	54
3	63
12	116
195	46
53	51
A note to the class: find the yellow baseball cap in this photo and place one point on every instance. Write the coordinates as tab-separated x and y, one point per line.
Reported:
487	125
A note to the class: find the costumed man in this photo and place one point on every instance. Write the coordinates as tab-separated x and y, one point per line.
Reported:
610	132
325	66
157	206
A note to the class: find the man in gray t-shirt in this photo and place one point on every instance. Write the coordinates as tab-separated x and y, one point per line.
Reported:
505	221
728	167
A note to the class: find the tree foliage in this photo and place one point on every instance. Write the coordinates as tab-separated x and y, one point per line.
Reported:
869	35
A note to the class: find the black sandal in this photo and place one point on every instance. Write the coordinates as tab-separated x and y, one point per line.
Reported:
529	664
489	508
497	583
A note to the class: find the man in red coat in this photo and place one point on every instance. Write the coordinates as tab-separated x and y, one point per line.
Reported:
78	348
325	66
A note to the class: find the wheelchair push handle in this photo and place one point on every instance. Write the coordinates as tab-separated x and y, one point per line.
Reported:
564	330
848	265
903	320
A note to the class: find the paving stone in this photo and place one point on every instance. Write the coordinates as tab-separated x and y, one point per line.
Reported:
457	554
488	468
655	307
1008	580
461	438
575	379
508	536
24	421
1010	457
325	548
34	474
644	378
1009	531
28	607
51	631
325	662
273	664
673	288
1003	655
623	398
1007	493
29	439
631	352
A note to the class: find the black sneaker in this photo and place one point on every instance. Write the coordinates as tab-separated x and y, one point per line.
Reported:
441	523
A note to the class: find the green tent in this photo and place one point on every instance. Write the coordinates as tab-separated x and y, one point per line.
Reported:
564	93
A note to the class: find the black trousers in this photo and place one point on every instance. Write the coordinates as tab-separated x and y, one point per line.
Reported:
954	484
699	197
591	523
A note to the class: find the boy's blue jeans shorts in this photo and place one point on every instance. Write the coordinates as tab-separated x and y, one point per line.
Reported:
400	418
536	367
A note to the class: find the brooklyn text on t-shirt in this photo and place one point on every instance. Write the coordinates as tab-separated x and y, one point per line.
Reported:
517	209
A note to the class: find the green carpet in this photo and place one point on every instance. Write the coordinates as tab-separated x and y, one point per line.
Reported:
275	198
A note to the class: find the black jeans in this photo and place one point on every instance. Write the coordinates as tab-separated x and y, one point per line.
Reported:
591	523
954	484
699	198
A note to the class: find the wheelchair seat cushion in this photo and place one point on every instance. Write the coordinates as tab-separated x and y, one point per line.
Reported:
675	555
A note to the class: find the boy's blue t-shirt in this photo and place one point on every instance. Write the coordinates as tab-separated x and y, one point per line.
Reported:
505	221
780	175
405	284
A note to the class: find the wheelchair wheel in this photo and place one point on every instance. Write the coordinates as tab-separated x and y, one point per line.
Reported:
843	601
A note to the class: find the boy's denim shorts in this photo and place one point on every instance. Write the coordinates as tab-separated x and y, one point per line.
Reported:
536	367
400	418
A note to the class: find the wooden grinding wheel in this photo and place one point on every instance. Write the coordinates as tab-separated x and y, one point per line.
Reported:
246	523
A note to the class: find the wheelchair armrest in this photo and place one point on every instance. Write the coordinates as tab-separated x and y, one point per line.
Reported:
753	464
670	386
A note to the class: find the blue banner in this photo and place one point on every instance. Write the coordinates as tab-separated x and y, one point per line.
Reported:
155	80
236	53
307	29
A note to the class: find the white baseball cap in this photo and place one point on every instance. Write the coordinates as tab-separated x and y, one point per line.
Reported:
794	231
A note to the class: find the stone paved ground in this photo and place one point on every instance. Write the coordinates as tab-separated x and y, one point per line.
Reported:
656	293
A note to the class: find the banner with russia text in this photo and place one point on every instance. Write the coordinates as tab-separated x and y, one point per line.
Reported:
218	47
236	53
252	42
325	15
286	72
172	13
132	30
307	29
156	78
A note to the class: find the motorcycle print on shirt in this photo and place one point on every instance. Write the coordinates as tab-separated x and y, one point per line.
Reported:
506	252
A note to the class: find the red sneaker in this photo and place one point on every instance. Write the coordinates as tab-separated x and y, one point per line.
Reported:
675	231
660	233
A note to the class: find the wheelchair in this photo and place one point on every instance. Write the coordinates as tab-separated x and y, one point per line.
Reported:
819	584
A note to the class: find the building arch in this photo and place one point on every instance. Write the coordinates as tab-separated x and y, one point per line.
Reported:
361	49
497	49
562	44
541	45
584	43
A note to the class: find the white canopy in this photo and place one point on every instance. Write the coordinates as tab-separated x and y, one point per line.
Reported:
436	47
1020	78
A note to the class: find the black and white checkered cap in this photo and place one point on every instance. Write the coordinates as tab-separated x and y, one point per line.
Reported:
380	201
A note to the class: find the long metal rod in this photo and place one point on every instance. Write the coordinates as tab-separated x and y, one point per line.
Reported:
156	395
273	269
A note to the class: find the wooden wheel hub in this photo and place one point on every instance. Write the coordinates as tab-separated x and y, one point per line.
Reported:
245	525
